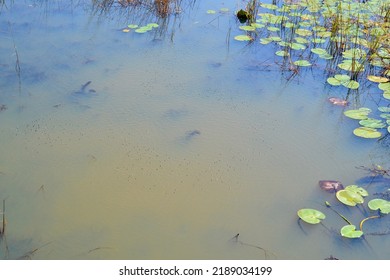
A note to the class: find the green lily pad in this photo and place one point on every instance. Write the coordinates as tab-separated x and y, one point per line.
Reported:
297	46
356	189
342	77
349	231
381	204
349	198
224	10
377	79
318	40
384	109
367	132
273	28
384	86
326	56
351	84
132	26
152	24
243	38
257	25
372	123
333	81
265	41
211	12
386	94
358	114
319	51
303	32
302	63
247	28
282	53
351	65
311	216
385	116
301	40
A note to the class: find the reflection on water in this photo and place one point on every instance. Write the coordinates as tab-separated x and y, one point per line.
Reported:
118	146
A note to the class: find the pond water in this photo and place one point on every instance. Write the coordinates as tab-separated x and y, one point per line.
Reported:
183	138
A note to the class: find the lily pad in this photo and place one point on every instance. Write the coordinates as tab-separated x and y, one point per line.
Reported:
381	204
384	86
367	132
319	51
377	79
358	114
211	12
349	198
384	109
311	216
247	28
351	84
342	77
386	94
372	123
132	26
243	38
333	81
385	116
282	53
356	189
302	63
350	231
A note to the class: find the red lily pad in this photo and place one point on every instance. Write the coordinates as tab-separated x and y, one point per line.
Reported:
330	185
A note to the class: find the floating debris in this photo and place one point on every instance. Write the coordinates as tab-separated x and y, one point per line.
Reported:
330	185
338	101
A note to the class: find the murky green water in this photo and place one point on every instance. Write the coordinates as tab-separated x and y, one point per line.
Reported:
180	141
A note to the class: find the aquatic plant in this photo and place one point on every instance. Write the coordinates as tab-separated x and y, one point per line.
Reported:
351	37
351	196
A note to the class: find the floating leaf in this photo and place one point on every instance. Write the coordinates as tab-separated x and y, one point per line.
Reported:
384	109
257	25
326	56
367	132
372	123
265	41
318	41
384	86
381	204
350	231
211	12
126	30
273	28
302	63
311	216
386	94
356	189
297	46
247	28
330	186
351	84
152	24
359	114
303	32
351	65
301	40
132	26
333	81
243	38
282	53
349	198
385	116
342	77
319	51
377	79
224	10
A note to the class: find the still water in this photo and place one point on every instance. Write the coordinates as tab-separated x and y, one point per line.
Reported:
182	139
